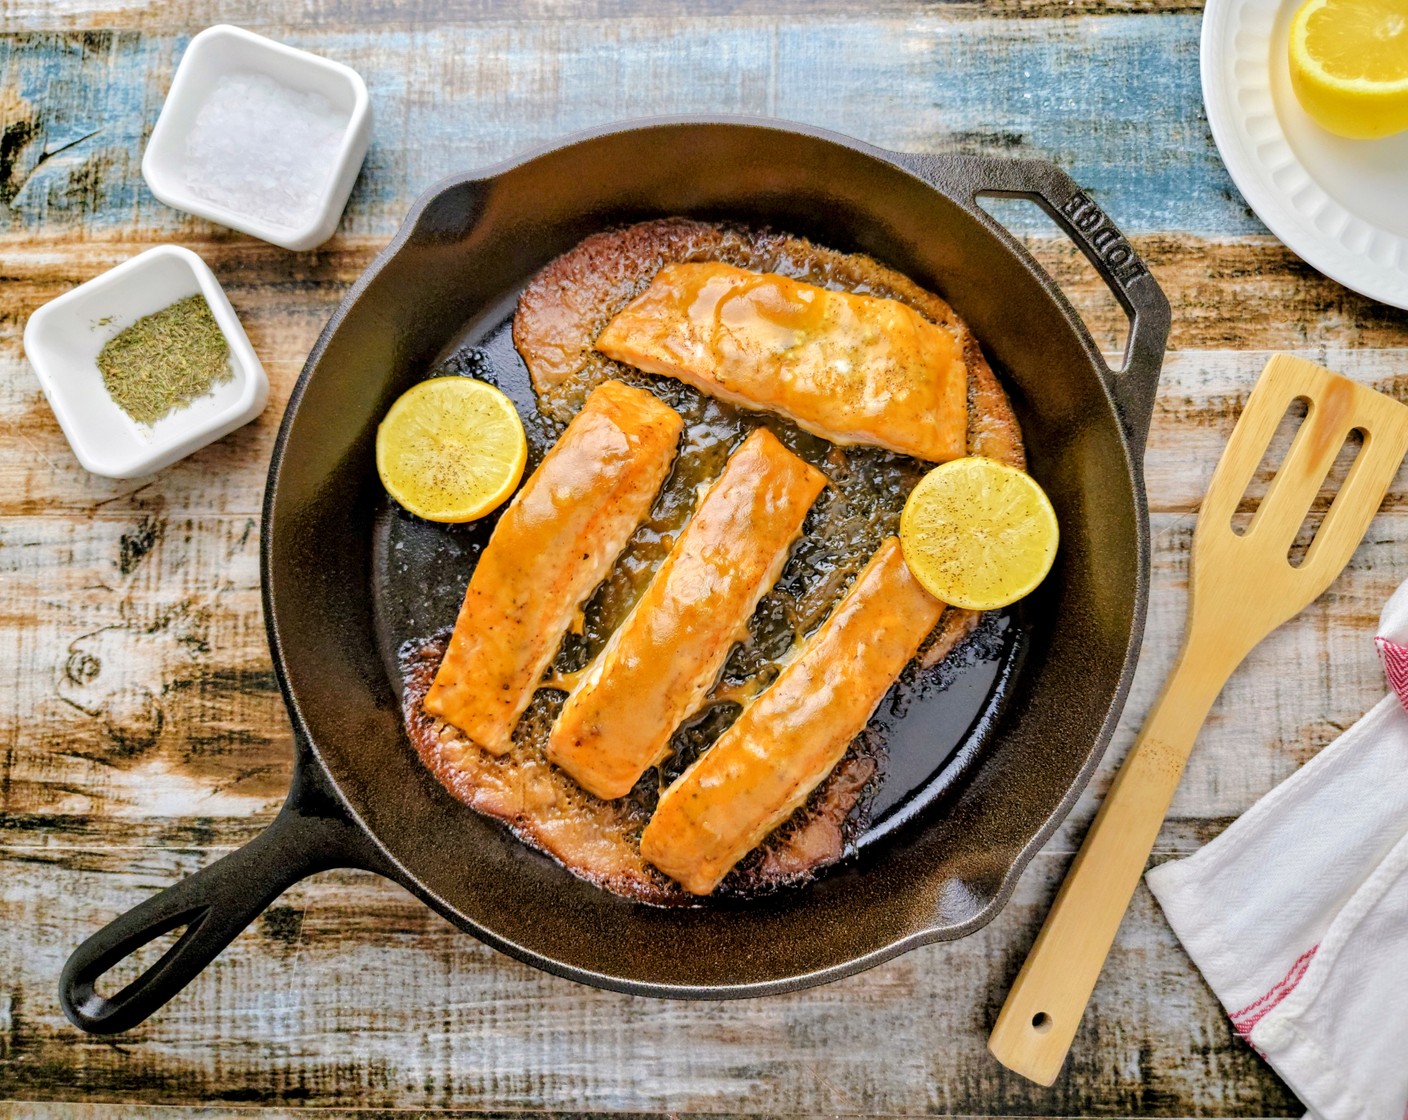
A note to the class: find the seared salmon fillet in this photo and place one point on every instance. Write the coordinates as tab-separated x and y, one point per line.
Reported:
553	545
849	368
659	665
786	741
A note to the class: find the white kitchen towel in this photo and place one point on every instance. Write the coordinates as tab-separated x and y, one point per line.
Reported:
1297	914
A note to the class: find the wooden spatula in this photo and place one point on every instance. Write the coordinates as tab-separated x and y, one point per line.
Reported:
1241	587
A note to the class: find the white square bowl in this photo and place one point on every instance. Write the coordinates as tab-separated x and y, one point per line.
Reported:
222	50
64	337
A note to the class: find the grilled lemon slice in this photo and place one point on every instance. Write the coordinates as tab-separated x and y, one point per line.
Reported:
978	534
451	449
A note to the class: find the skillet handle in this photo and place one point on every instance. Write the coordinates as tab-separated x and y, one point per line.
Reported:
964	178
310	834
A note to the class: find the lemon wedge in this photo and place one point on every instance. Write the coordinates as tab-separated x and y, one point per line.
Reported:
1349	65
978	534
451	449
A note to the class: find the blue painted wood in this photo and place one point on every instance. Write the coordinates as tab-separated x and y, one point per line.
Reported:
1114	99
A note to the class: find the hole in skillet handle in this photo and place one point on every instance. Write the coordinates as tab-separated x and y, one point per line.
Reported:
131	968
100	1014
967	179
214	905
1092	298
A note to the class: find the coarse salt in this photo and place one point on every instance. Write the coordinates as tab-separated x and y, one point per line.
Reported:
264	149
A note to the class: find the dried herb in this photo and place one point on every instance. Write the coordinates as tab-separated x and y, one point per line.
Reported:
165	360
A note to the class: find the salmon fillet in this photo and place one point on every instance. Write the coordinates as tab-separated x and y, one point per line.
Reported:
849	368
659	665
552	546
787	741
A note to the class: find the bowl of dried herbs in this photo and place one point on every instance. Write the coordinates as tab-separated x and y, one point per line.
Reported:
145	363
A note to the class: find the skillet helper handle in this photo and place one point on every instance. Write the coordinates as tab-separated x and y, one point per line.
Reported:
1134	386
1038	1022
310	834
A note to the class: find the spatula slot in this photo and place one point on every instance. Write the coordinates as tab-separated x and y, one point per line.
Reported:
1315	517
1271	460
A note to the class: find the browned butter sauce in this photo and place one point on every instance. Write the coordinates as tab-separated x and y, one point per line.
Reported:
556	320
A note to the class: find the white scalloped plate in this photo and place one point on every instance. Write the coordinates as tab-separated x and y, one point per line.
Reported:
1341	205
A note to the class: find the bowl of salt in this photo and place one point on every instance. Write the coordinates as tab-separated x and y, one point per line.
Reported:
260	137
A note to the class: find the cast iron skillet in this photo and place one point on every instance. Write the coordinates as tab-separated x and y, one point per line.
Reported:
360	798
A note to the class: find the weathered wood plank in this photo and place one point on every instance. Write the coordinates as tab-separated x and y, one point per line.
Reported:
1201	394
284	15
147	693
1246	294
1251	293
303	1009
140	672
39	1110
78	107
35	1110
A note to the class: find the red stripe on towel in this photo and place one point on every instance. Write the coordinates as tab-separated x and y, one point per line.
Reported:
1247	1018
1395	658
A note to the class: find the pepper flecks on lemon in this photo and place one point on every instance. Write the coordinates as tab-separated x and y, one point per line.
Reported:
451	449
978	534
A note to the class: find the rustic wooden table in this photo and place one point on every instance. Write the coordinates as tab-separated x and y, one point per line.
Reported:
144	733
